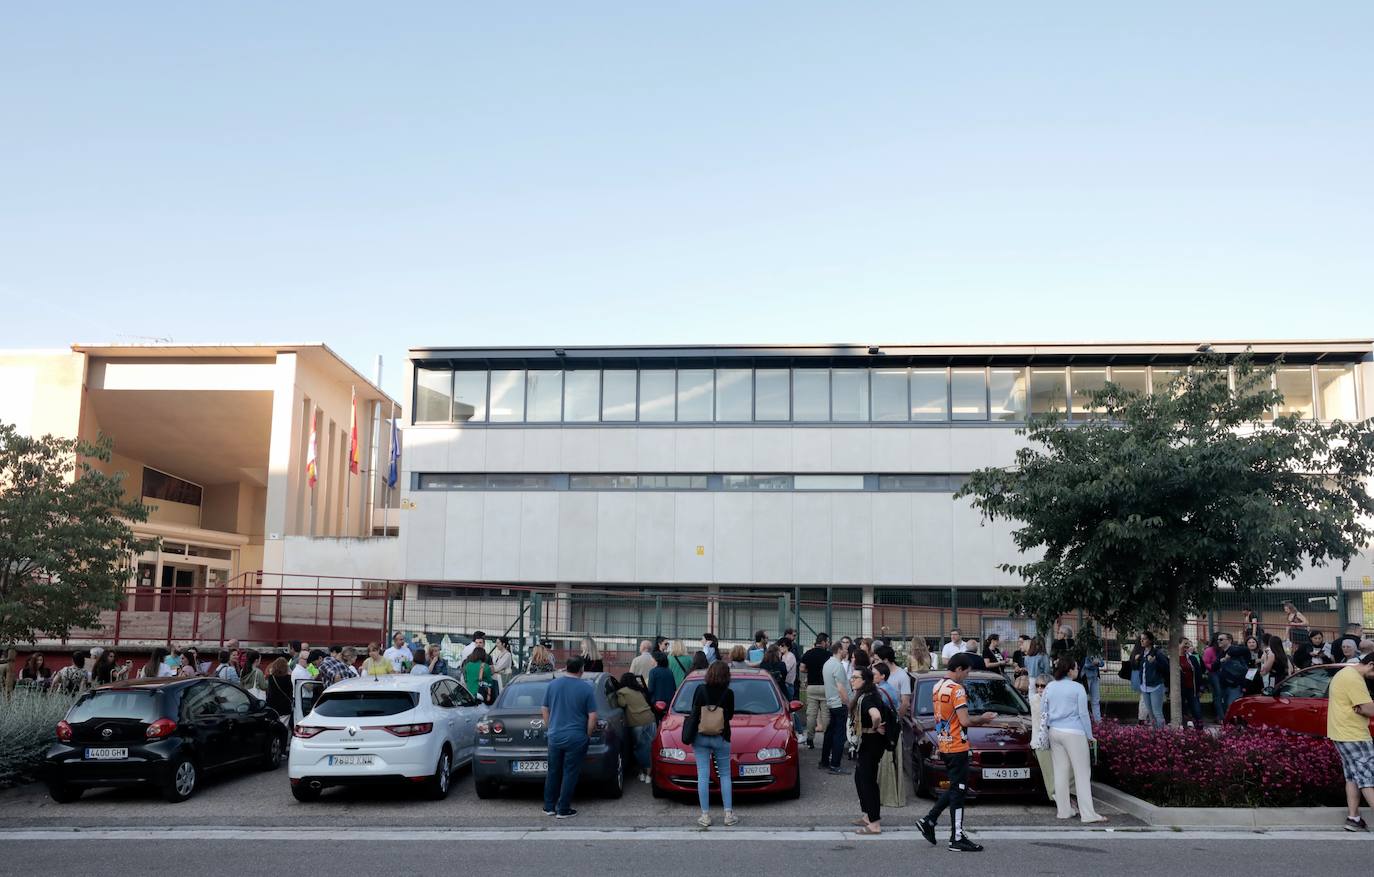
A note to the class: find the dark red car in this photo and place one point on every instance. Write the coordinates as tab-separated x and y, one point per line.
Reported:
763	749
1298	703
1001	762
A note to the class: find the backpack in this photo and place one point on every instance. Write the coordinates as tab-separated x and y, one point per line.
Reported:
892	728
1233	672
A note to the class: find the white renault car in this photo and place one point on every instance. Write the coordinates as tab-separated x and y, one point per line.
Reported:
412	729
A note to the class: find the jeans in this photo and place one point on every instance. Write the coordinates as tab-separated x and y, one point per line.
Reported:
1192	706
817	716
833	749
1152	704
705	748
1094	686
872	748
956	765
1229	695
644	743
565	766
1218	703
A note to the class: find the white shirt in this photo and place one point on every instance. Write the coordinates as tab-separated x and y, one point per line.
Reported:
396	656
299	672
420	670
902	680
467	650
950	650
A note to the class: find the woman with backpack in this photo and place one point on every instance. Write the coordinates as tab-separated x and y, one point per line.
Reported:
891	782
867	716
707	731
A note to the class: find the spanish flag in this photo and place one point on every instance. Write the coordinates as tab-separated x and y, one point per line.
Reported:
353	435
312	455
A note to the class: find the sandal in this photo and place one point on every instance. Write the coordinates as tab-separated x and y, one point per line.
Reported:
862	820
867	829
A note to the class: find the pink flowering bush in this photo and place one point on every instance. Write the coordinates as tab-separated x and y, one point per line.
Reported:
1235	767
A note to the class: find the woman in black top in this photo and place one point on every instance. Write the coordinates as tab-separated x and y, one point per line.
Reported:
866	716
279	689
773	665
715	698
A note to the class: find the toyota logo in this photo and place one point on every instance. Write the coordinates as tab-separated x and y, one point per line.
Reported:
107	733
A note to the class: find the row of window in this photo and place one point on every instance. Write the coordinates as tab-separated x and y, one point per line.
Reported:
819	395
914	483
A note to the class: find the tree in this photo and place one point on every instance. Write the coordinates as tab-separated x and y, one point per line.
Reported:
66	545
1146	510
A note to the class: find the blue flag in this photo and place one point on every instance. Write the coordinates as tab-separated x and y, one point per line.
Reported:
391	472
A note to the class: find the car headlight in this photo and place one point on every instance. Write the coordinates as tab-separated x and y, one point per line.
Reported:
770	754
673	754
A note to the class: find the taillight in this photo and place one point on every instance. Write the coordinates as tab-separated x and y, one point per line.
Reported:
414	730
498	728
161	728
305	732
64	732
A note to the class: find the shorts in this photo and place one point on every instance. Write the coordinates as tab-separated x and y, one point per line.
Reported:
1357	758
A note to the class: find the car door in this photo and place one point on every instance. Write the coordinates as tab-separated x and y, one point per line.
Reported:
245	735
471	710
305	693
616	733
200	716
445	711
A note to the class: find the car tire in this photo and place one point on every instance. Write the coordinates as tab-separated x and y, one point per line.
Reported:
182	780
918	771
271	759
794	793
438	786
615	787
305	793
486	789
63	793
659	791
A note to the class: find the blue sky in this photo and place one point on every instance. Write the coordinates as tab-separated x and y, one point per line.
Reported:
575	173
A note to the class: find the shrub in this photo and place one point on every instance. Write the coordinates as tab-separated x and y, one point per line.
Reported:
1234	767
27	728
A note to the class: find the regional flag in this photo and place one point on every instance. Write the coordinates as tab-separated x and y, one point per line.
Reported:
312	465
353	436
391	472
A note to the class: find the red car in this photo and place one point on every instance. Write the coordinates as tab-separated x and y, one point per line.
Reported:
1298	703
1001	762
763	749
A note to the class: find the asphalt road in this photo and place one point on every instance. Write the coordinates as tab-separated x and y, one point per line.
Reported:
264	799
320	848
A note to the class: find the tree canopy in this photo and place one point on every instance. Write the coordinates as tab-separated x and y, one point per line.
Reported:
66	543
1141	514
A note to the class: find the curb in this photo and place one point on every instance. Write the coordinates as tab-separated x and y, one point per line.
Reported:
1253	818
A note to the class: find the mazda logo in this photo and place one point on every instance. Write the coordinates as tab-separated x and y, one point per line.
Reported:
107	733
536	723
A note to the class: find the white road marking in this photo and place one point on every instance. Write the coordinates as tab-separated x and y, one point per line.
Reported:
595	835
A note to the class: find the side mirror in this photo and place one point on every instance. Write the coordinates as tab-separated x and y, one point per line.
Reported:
796	706
661	706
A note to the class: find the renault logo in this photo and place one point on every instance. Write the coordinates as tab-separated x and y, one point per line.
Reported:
352	731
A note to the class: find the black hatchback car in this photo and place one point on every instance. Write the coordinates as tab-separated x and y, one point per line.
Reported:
166	733
512	748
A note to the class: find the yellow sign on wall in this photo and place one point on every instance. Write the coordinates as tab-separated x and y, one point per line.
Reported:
1368	599
701	551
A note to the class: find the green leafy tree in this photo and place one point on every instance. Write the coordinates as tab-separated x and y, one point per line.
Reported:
66	545
1139	515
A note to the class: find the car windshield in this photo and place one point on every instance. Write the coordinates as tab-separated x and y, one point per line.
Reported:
753	697
526	696
361	704
984	696
114	704
1311	683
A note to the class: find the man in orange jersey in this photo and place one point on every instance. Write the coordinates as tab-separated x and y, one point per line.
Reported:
952	722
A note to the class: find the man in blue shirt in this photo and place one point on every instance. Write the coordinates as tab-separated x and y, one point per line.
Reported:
569	718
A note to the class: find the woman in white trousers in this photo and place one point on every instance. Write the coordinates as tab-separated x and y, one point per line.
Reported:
1065	704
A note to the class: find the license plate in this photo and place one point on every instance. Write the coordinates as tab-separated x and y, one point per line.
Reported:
529	767
1006	773
106	754
755	770
351	759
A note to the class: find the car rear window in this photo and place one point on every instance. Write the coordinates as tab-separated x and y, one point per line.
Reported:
753	697
362	704
527	696
113	704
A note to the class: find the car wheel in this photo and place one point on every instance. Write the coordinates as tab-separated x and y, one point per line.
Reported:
63	793
182	780
918	771
486	789
794	793
658	791
271	759
616	786
438	785
305	793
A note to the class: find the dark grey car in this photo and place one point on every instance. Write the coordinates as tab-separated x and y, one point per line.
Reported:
512	748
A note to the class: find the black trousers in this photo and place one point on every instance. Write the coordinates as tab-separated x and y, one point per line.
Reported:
956	763
872	748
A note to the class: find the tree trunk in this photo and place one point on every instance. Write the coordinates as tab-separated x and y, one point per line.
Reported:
1175	692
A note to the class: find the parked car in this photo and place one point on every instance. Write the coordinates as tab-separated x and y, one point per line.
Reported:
1001	763
378	730
763	748
1298	703
164	733
512	748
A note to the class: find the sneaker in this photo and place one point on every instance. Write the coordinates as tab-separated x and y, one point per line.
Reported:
839	772
1355	823
704	820
810	744
927	829
731	818
964	845
569	815
549	812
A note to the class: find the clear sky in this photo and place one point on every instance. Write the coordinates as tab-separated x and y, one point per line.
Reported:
379	176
